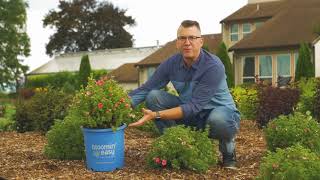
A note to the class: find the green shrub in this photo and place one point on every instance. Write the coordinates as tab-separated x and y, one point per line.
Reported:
286	131
181	147
308	91
55	80
65	140
316	101
295	162
6	122
274	101
39	112
305	67
246	99
59	80
22	119
84	71
222	53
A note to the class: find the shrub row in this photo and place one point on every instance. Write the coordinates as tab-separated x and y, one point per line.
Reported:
66	80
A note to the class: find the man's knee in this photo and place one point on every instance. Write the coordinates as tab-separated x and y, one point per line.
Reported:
152	98
222	124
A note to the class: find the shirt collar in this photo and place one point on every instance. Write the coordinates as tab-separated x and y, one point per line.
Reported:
194	65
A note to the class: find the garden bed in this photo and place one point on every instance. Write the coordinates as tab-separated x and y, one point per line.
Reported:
21	157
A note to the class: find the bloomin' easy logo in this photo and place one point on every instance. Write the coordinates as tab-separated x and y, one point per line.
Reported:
103	150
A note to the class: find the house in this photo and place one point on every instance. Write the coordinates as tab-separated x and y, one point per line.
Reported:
108	59
147	66
264	36
126	75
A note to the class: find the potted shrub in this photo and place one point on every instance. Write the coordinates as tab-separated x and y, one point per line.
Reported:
103	107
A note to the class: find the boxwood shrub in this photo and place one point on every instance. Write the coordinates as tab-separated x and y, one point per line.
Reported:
295	162
286	131
180	147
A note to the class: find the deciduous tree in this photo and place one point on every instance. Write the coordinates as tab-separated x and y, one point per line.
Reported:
14	42
86	25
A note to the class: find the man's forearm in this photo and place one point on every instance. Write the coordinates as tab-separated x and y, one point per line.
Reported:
171	114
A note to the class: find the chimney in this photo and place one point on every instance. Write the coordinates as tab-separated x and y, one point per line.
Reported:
158	44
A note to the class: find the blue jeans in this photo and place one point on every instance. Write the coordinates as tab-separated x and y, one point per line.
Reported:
223	122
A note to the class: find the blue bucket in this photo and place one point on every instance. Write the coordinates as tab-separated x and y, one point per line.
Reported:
104	148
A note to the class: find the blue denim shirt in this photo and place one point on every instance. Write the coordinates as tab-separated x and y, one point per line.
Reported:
203	86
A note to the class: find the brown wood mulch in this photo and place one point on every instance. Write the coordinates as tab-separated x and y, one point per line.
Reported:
21	157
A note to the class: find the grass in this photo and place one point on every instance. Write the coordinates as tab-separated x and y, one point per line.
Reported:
6	122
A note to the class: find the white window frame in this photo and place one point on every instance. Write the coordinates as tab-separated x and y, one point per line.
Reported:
244	33
242	66
289	64
265	77
234	33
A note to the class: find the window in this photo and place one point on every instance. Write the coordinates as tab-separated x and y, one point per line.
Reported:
248	69
246	29
258	24
283	65
234	32
265	68
150	71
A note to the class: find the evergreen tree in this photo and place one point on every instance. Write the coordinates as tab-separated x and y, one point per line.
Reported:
14	42
222	53
84	71
305	67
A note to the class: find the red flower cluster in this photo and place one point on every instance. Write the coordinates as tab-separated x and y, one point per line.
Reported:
105	102
162	162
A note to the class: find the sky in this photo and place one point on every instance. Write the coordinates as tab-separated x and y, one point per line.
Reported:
156	20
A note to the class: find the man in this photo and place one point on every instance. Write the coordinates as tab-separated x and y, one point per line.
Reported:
204	98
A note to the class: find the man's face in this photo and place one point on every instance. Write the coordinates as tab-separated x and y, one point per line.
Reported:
189	42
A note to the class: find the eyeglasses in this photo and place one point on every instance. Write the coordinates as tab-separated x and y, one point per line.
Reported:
190	38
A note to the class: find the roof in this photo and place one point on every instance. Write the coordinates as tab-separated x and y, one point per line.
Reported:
255	11
212	41
126	73
102	59
291	26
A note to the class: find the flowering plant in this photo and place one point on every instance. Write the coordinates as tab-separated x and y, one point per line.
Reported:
103	104
181	147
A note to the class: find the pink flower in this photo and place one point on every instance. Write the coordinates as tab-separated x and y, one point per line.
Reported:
157	160
127	105
164	162
100	105
99	82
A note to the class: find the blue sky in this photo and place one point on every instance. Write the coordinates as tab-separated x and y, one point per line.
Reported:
156	20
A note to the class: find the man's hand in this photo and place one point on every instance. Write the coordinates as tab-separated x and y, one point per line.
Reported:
148	116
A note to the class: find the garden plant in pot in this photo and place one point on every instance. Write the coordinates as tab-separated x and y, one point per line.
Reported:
104	107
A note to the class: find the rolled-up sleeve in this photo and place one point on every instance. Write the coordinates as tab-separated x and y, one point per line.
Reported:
204	91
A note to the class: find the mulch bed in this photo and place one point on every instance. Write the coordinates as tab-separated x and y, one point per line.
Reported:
21	157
